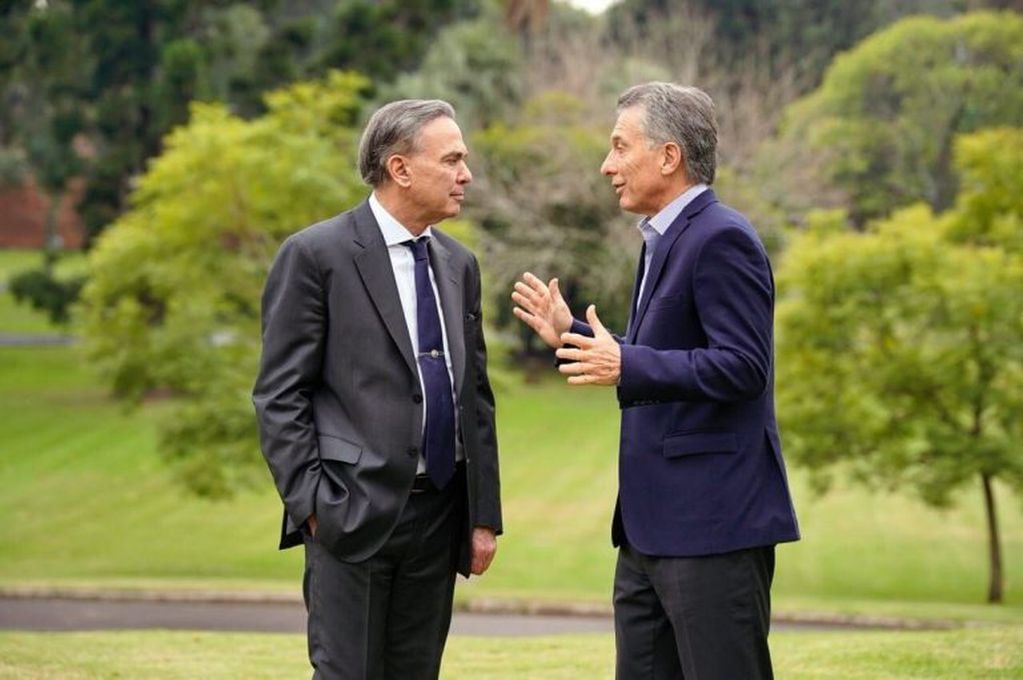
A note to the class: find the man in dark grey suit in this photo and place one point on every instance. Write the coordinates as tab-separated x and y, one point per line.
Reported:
376	415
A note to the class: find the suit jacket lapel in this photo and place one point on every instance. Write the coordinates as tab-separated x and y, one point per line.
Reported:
633	302
374	265
664	245
452	301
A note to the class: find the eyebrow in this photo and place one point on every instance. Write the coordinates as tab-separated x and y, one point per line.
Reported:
455	155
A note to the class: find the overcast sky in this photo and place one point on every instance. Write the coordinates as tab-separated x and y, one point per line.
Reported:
594	6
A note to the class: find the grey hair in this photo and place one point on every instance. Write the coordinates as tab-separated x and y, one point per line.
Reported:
680	114
394	129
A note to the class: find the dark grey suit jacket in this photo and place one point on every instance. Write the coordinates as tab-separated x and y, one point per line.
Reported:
338	398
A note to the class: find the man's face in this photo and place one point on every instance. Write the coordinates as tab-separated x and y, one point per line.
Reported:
438	171
634	166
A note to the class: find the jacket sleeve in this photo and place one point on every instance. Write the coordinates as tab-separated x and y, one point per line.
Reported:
734	299
488	496
293	332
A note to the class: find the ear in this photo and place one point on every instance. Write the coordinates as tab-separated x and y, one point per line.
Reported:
399	171
671	158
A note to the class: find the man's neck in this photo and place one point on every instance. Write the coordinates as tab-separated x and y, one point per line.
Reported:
671	194
393	201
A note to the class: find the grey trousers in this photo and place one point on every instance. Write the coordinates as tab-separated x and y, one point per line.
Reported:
387	617
693	618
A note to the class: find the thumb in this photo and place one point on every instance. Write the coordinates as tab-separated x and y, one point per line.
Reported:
594	321
555	289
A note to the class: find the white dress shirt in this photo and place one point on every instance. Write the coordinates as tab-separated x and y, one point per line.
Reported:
404	266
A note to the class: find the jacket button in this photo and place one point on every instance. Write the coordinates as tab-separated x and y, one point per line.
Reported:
417	398
413	451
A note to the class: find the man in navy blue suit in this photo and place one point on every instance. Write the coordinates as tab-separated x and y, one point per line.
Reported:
703	497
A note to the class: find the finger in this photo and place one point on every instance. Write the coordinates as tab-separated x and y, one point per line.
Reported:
535	283
523	300
573	368
594	320
580	380
569	353
487	559
530	320
526	293
481	560
555	289
582	341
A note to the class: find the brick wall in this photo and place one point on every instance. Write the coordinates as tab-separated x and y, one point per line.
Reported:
23	213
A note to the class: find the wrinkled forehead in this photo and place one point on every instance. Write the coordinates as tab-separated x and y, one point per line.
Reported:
629	125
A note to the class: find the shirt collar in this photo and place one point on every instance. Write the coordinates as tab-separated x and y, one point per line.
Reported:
393	231
664	219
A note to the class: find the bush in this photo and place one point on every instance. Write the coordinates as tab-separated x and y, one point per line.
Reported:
46	293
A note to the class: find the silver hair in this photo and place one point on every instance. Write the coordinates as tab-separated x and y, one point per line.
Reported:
394	129
680	114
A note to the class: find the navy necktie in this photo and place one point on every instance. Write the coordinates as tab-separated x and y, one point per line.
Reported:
439	437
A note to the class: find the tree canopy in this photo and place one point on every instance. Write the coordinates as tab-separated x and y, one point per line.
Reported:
901	347
881	126
172	302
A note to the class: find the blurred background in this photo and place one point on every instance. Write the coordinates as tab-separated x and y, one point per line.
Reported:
154	154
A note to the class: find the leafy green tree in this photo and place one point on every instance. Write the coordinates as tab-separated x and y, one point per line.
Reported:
901	347
543	206
475	66
880	128
387	37
172	301
41	118
780	35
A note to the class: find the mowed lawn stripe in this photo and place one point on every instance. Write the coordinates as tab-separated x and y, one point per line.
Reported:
90	498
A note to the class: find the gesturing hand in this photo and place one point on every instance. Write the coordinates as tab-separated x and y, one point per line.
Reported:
541	307
594	361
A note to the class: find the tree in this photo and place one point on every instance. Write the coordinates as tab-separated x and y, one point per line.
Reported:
881	126
41	120
901	347
474	66
779	35
384	38
543	206
172	301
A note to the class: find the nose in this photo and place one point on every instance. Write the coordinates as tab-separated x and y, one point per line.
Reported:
464	174
608	167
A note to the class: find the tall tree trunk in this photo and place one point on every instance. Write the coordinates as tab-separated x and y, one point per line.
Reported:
51	231
995	584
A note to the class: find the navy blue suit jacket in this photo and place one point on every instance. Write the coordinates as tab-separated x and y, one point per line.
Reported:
700	465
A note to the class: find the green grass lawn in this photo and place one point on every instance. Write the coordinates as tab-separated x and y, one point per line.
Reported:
974	653
87	501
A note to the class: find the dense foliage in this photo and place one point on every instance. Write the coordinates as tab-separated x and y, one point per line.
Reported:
91	87
172	302
879	131
901	347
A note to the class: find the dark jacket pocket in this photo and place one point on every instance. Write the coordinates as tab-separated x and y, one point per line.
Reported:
335	448
693	443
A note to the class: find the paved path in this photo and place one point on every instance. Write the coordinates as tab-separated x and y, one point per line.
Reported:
34	339
64	614
278	617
